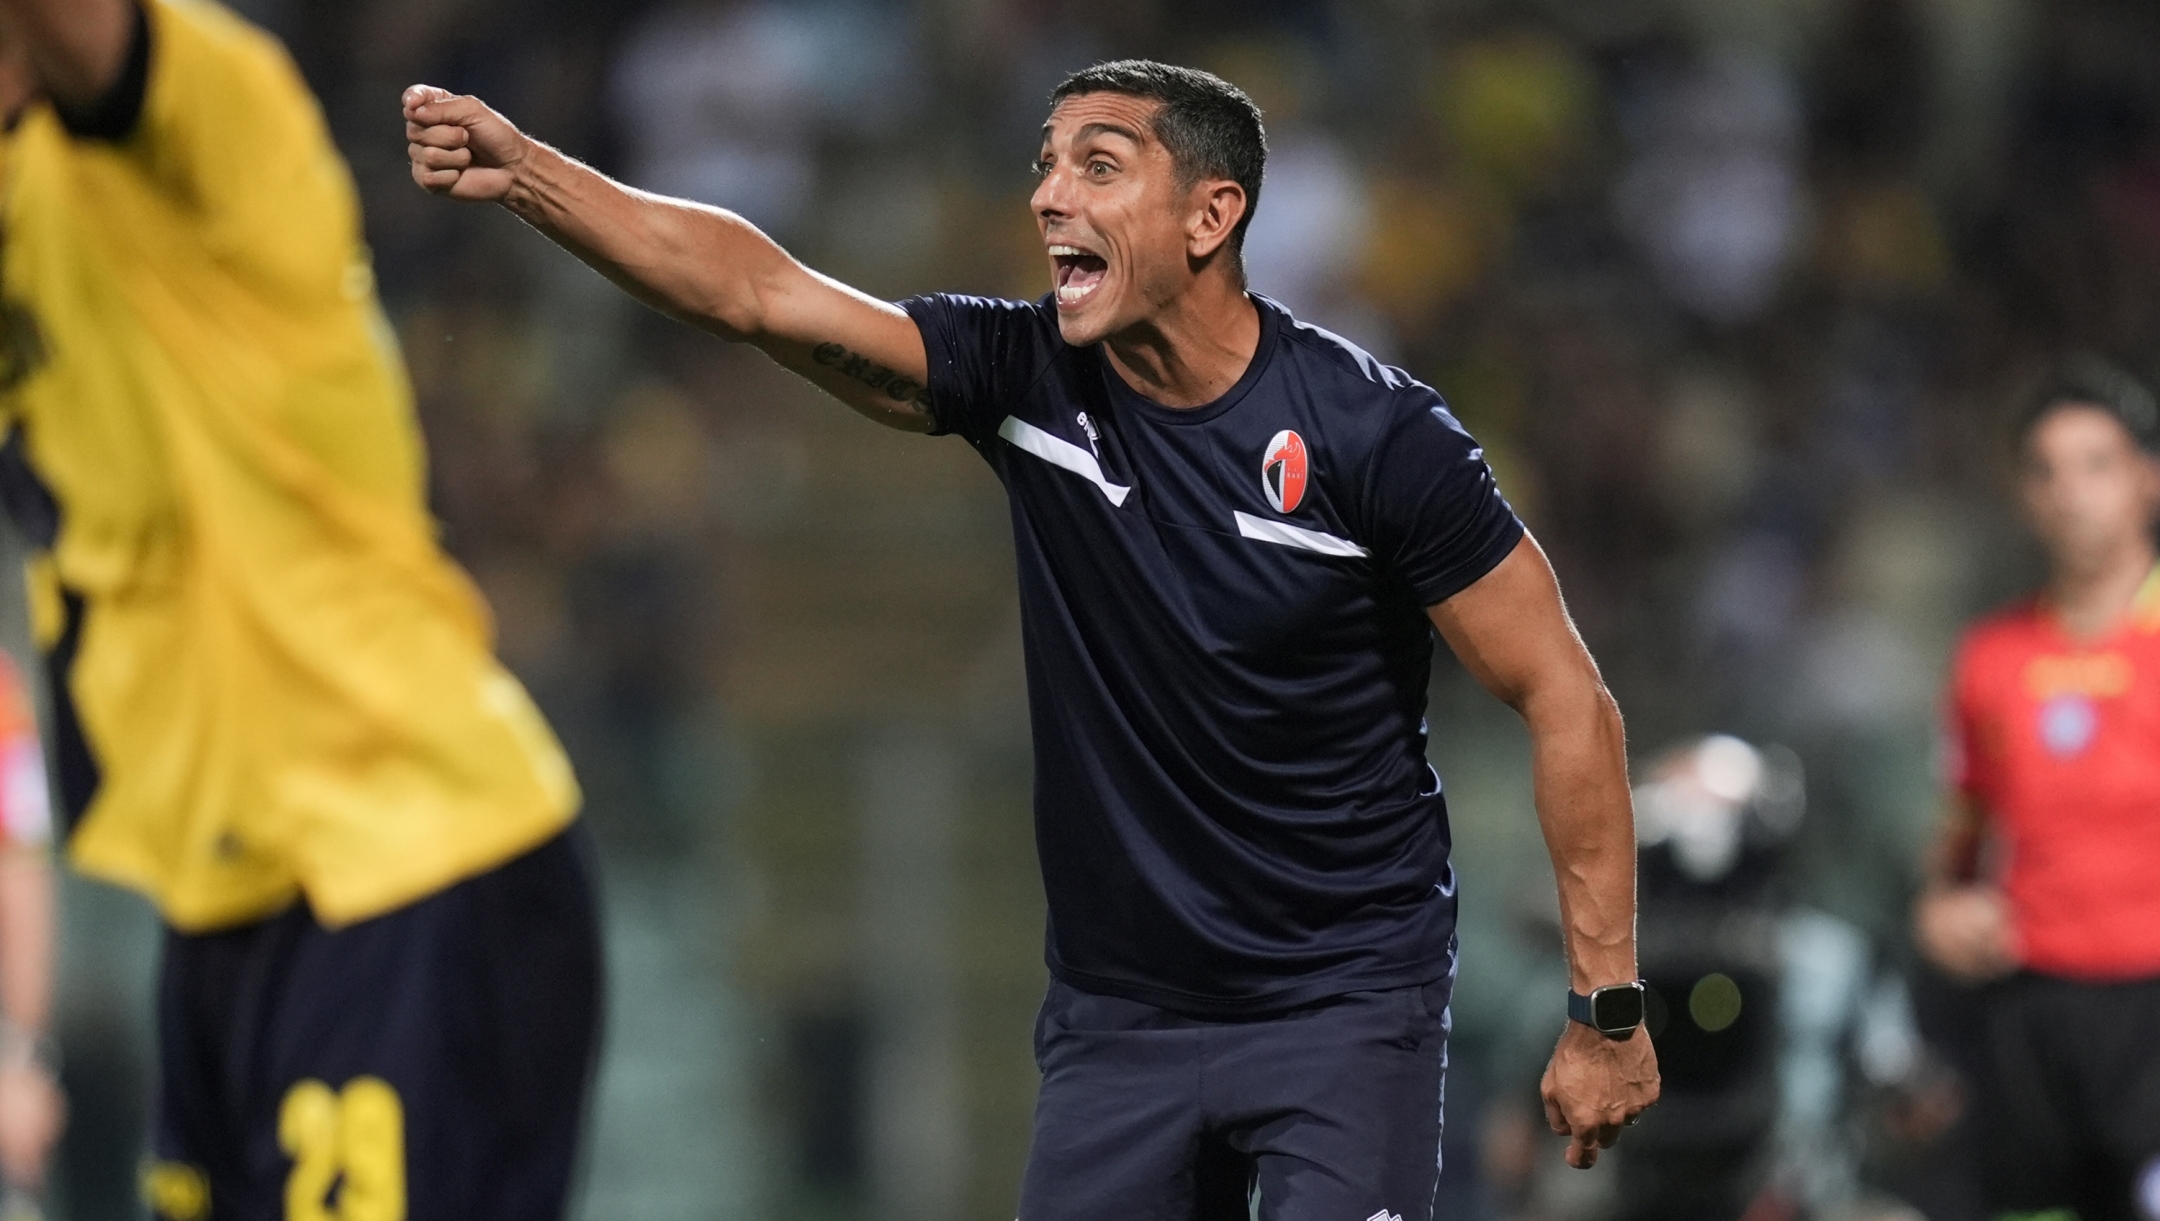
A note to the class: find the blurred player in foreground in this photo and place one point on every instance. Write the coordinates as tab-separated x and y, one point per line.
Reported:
32	1111
2045	881
1236	535
277	712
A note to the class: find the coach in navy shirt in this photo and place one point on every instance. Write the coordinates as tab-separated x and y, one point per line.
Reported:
1236	536
1228	653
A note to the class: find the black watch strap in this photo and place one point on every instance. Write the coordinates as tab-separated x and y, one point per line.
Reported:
1613	1011
1578	1008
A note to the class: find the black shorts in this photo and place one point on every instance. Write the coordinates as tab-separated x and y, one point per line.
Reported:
1331	1112
2068	1100
430	1064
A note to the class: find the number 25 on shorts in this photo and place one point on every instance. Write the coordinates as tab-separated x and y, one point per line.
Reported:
348	1151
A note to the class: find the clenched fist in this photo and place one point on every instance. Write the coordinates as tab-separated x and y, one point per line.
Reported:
1596	1086
1966	931
458	146
32	1114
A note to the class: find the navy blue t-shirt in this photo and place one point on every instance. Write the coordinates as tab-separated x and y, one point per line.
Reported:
1223	610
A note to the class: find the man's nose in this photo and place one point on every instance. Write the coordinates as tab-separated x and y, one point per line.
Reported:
1050	197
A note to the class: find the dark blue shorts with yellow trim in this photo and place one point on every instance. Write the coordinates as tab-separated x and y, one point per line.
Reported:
426	1065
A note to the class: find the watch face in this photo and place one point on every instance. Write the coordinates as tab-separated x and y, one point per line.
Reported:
1617	1009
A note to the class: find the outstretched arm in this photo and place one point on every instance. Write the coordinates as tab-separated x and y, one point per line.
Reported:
703	265
1514	635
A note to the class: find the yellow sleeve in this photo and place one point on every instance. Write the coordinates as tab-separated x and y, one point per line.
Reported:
230	134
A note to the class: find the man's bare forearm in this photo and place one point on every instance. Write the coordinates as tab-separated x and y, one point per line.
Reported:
1954	857
702	265
26	941
1579	765
713	270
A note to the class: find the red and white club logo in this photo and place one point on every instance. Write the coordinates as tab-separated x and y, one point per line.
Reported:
1282	472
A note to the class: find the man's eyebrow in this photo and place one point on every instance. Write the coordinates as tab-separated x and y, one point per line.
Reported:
1098	129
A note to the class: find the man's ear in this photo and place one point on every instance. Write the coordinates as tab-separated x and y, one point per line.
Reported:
1219	206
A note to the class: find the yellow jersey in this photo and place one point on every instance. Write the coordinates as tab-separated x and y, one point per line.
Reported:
274	683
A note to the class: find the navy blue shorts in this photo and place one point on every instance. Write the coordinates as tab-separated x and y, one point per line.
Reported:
430	1064
1330	1112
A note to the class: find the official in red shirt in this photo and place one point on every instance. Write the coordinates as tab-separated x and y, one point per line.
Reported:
2044	885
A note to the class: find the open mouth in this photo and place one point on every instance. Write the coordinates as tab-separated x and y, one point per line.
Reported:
1079	273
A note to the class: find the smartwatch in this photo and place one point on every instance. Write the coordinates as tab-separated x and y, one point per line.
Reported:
1614	1012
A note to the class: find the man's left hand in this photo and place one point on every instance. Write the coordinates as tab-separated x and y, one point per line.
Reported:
1596	1086
33	1112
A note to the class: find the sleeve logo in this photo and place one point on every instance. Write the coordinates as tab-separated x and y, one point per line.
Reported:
1282	472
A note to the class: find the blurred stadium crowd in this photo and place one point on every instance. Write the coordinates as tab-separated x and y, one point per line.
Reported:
1734	291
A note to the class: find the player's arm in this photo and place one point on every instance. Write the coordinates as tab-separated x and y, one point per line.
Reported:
77	49
32	1110
1513	633
1960	921
703	265
1954	857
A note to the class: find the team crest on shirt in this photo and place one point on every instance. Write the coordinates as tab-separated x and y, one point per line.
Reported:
2067	725
1282	472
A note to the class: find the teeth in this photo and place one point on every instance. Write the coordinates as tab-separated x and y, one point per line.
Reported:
1070	293
1067	251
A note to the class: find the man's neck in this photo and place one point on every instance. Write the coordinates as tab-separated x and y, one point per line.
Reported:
1194	350
2088	600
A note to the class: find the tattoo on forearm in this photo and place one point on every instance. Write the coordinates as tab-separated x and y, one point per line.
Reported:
872	374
